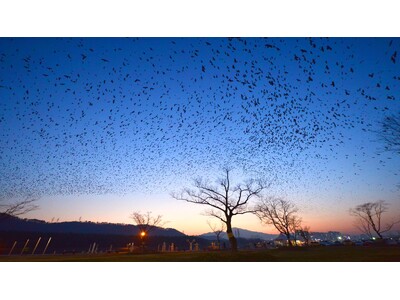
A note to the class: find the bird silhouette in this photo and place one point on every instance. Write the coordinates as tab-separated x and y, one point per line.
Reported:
91	117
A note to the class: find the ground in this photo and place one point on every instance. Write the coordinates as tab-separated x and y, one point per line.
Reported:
315	254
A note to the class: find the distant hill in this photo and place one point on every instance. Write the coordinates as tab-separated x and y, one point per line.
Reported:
9	223
79	236
241	233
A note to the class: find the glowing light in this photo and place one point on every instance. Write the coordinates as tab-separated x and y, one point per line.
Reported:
142	234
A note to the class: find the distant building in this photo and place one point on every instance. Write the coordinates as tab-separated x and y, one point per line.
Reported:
331	236
334	236
280	240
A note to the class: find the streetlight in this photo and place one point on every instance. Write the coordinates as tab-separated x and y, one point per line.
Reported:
142	235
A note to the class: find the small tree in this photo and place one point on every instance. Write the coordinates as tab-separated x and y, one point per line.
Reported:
217	231
370	218
281	214
304	232
146	223
225	199
17	208
294	227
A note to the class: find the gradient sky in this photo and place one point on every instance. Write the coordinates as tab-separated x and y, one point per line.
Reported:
99	127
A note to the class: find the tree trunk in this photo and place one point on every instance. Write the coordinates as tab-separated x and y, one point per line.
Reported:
231	237
289	241
374	227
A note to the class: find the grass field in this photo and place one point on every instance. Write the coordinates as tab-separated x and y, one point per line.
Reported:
315	254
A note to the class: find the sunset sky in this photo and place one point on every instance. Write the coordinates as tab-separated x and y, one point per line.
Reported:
96	128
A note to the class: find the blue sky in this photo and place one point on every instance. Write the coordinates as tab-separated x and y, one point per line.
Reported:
99	127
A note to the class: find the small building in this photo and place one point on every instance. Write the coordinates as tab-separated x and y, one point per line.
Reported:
280	240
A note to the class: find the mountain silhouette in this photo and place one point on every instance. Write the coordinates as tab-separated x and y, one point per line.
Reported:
240	233
13	224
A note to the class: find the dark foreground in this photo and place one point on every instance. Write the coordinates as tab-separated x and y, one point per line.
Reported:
314	254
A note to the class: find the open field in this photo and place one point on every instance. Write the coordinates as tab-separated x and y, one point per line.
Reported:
316	254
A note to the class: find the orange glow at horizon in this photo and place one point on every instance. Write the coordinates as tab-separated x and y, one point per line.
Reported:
189	219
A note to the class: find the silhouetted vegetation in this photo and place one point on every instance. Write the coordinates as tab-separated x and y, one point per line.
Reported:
282	215
370	218
17	208
224	199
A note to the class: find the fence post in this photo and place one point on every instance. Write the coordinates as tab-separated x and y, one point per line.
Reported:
27	241
12	248
45	248
37	243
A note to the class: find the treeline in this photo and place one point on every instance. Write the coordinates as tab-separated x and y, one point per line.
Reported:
78	243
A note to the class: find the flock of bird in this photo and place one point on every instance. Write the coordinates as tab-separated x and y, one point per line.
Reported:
97	116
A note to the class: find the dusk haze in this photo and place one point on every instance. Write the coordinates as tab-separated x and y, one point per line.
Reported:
96	128
291	141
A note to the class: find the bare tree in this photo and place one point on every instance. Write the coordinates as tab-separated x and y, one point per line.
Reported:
294	227
146	222
369	218
217	231
225	199
304	232
17	208
390	133
281	214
